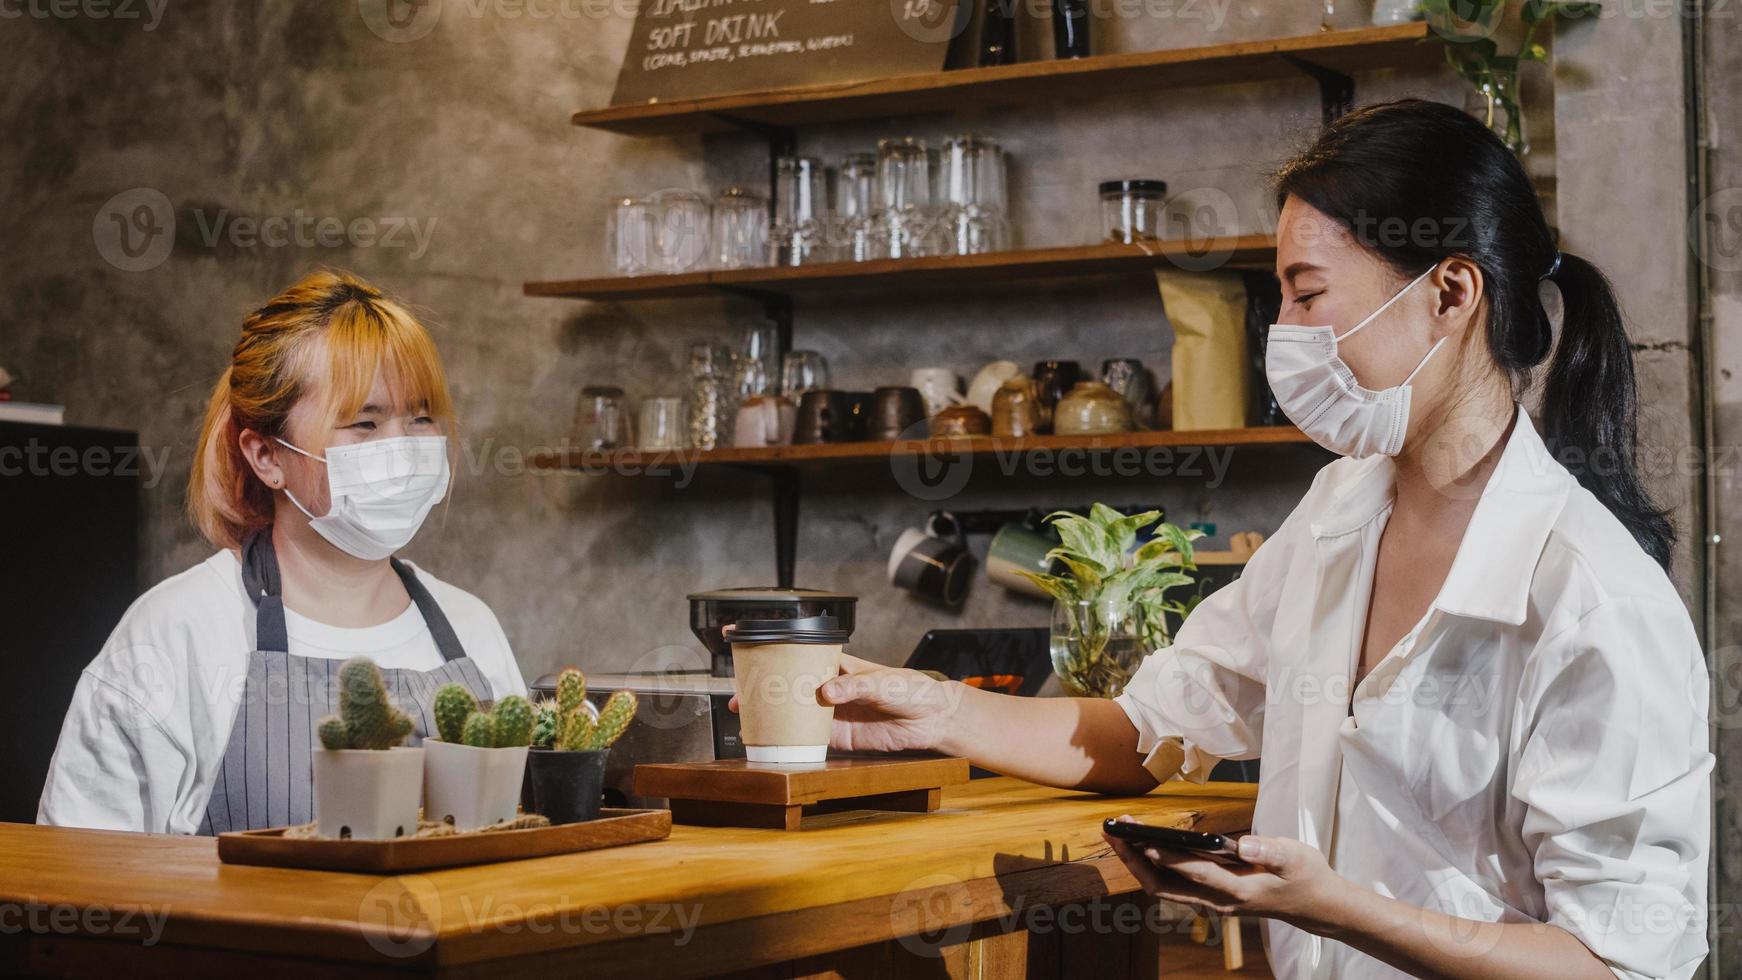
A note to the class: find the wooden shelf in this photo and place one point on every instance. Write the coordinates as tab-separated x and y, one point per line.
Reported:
1025	83
630	462
1239	252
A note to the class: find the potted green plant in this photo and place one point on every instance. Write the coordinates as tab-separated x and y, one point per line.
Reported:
568	771
1110	606
472	772
367	783
1467	28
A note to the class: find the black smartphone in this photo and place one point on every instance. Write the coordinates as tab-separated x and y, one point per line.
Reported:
1213	846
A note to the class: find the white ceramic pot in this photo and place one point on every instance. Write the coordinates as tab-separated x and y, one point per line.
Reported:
471	787
987	382
368	794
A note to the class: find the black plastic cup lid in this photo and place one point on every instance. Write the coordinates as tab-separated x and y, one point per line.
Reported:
1137	186
822	629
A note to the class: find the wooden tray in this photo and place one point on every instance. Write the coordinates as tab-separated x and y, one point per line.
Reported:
272	848
737	793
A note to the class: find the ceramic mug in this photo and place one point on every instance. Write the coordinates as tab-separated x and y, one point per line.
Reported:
899	413
1018	547
823	416
940	387
859	408
1091	408
961	420
985	384
1136	385
1052	381
764	420
1015	410
933	562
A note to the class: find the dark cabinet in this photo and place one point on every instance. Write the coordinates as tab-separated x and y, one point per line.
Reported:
69	567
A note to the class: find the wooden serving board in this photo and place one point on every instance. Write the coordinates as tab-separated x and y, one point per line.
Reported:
270	847
738	793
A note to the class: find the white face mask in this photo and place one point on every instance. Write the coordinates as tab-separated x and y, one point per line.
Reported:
1319	393
379	492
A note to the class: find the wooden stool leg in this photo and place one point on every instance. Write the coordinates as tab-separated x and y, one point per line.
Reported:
1233	953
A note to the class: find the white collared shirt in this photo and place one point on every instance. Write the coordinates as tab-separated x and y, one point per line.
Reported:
1536	748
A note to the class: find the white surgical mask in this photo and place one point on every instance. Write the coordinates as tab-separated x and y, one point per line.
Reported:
379	492
1319	393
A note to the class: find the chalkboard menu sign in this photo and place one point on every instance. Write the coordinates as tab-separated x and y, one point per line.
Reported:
690	48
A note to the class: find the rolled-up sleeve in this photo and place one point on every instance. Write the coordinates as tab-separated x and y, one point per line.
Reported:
1614	772
1202	699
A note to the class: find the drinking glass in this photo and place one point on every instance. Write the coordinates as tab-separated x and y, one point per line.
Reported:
860	236
801	211
601	419
662	424
629	236
802	371
757	363
680	229
740	229
904	194
974	195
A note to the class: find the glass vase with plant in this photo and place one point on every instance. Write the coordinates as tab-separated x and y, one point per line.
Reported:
1110	605
1467	29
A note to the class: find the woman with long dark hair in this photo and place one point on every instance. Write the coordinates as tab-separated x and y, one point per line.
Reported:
1480	703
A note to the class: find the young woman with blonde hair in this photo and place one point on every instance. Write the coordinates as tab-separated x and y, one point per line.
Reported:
325	445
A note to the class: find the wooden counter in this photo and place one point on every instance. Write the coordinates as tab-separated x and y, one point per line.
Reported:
954	893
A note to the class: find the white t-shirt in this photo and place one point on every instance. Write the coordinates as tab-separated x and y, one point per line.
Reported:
1535	749
151	716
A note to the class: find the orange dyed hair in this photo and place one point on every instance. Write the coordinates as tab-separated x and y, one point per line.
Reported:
325	337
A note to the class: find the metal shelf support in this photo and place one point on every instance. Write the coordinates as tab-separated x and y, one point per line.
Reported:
786	495
1336	90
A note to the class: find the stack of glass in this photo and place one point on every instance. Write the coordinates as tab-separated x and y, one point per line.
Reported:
740	229
799	235
860	236
907	222
973	206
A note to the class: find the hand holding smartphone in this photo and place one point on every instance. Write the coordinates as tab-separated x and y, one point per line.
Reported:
1213	846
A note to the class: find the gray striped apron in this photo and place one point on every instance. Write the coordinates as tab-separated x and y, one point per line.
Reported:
267	776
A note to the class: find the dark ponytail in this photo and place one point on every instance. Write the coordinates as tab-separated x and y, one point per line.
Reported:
1419	182
1591	407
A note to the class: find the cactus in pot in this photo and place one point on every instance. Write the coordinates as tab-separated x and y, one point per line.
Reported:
514	720
568	776
467	787
480	730
581	732
367	718
454	703
361	788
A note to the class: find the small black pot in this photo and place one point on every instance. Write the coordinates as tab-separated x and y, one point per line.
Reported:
567	787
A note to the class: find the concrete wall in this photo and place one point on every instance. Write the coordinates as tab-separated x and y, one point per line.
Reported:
1720	211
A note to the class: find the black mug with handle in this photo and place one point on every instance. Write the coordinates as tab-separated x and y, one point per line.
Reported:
933	562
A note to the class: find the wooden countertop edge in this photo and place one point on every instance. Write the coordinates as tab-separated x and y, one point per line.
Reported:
939	905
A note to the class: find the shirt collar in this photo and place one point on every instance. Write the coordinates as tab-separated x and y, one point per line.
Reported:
1491	574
